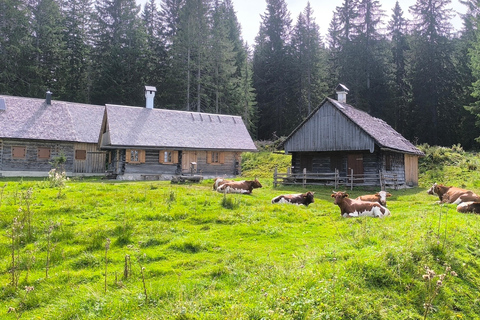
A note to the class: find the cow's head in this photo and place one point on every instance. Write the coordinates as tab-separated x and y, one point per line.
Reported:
339	196
256	183
308	198
383	195
433	189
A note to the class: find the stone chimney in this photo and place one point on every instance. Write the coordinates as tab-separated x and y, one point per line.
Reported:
48	98
149	95
342	92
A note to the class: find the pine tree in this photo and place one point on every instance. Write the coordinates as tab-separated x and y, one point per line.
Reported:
434	110
469	45
49	49
272	64
401	92
310	64
119	62
16	62
77	35
155	51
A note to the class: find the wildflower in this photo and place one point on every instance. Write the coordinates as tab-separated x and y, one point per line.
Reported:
29	288
453	273
11	309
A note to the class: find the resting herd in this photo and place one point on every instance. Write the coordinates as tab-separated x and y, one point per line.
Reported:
373	205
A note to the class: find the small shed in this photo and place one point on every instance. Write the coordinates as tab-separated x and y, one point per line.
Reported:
336	137
152	143
33	132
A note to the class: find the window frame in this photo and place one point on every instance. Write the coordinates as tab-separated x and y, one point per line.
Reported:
170	155
140	156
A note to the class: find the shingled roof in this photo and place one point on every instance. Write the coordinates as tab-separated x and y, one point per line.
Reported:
381	132
160	128
30	118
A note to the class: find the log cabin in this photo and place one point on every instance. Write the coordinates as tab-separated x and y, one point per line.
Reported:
337	136
33	132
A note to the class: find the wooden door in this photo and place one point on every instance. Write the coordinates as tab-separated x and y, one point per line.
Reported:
355	162
189	157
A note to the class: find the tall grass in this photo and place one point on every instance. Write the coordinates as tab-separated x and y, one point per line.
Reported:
187	252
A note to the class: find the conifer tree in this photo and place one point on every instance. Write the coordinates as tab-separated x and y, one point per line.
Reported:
119	63
272	64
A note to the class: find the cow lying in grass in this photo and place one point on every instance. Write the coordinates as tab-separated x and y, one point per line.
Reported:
219	181
469	207
356	208
298	198
452	194
380	197
245	186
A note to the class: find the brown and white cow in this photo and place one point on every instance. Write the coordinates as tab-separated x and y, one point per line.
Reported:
469	207
245	186
219	181
356	208
298	198
380	197
452	194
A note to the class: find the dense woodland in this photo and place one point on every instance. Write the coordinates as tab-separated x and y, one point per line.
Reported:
420	76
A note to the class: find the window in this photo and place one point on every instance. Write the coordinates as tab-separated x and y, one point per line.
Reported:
215	157
135	156
43	153
80	154
19	152
168	156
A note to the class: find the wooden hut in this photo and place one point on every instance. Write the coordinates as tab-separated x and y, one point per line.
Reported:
33	132
149	143
336	137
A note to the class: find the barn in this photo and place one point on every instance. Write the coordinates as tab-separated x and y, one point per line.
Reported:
33	132
149	143
336	137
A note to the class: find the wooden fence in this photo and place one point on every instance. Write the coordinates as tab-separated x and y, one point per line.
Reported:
335	179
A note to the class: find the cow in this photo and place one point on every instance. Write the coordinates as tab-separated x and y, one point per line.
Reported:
380	197
219	181
298	198
469	207
355	208
245	186
452	194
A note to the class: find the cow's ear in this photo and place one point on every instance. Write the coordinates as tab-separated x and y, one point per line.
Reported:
389	194
345	195
377	194
333	195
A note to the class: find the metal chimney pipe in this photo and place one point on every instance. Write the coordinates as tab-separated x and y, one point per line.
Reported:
48	99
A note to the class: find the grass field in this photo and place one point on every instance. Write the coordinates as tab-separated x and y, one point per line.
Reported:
98	249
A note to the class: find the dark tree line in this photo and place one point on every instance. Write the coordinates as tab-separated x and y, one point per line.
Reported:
419	76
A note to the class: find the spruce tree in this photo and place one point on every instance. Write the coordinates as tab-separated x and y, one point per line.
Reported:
272	65
119	62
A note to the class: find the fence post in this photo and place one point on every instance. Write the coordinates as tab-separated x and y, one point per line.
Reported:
351	179
336	178
304	183
395	181
275	177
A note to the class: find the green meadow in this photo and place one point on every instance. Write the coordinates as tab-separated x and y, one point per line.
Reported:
100	249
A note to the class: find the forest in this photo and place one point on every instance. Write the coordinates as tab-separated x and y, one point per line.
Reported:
419	76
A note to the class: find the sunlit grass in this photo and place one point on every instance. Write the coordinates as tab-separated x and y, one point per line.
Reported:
207	255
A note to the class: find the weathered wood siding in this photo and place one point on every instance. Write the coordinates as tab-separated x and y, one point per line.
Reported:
31	161
217	169
95	161
329	130
151	166
373	163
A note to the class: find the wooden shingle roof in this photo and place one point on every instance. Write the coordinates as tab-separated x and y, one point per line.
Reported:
381	132
30	118
159	128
